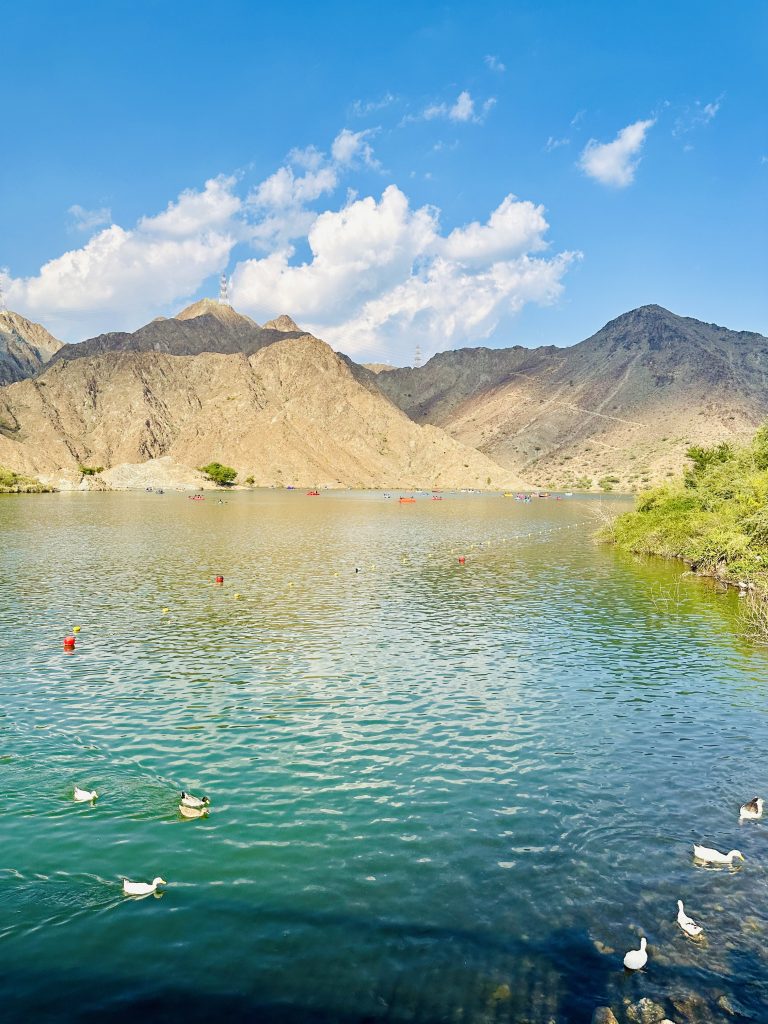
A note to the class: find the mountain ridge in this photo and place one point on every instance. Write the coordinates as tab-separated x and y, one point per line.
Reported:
292	413
616	409
25	347
624	403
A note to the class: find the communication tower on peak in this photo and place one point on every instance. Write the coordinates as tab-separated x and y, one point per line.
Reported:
417	357
224	291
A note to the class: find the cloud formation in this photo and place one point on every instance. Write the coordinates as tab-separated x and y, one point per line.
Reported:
462	110
614	163
379	274
87	220
494	64
118	271
382	274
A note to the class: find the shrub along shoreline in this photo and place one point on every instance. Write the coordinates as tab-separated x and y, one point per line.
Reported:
15	483
715	518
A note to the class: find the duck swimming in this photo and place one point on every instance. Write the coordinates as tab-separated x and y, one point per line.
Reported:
688	925
192	812
708	856
753	809
83	796
636	959
142	888
187	800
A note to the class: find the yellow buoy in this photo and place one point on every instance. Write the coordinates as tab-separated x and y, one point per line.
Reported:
75	629
165	611
238	597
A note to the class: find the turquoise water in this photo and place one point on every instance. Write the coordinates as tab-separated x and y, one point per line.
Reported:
438	792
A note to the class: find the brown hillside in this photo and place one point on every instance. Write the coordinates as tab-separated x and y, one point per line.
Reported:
290	413
25	347
625	403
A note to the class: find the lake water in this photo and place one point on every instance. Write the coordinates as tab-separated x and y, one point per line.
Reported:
439	792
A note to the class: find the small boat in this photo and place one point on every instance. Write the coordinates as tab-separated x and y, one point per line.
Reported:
313	494
407	501
543	494
437	497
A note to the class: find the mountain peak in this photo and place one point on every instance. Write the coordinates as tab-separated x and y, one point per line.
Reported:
25	347
212	307
283	323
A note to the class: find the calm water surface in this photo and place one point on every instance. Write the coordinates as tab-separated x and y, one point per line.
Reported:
439	792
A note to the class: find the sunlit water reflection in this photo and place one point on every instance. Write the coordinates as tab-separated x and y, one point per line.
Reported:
440	792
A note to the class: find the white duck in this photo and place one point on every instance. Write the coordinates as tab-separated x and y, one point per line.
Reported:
192	812
708	856
83	796
688	925
142	888
636	959
187	800
753	809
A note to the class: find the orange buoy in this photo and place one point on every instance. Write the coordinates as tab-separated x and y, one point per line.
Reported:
69	643
462	559
219	579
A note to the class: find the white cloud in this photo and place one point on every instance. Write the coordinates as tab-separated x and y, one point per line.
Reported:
494	63
443	306
87	220
349	148
382	273
379	273
193	212
362	108
515	227
553	143
614	163
284	189
462	110
355	252
119	274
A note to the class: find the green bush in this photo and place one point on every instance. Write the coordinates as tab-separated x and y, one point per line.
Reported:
90	470
16	483
715	516
224	476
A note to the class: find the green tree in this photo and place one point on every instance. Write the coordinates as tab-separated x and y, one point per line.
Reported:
224	476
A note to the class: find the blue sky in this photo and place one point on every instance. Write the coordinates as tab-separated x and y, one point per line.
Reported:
494	173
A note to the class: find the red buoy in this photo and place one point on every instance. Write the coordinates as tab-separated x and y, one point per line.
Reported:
462	559
69	643
219	579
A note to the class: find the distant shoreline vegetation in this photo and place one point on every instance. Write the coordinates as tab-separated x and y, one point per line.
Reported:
15	483
715	518
223	476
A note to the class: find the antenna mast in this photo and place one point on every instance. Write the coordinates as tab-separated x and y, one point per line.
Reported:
224	291
417	357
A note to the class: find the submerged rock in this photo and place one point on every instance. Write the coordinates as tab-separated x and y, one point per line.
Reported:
604	1015
645	1012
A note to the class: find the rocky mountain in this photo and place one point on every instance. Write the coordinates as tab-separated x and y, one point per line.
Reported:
25	347
205	326
621	407
290	412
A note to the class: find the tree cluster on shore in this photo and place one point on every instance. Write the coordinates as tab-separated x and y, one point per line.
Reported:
715	518
15	483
